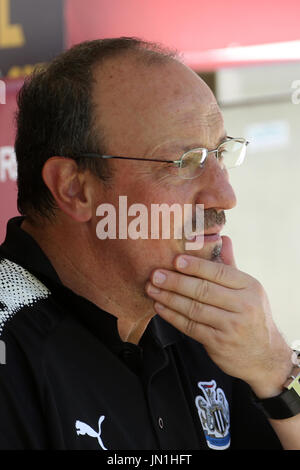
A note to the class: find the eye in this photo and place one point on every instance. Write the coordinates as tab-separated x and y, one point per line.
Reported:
192	163
222	153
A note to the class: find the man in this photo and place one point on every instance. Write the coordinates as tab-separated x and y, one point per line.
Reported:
90	364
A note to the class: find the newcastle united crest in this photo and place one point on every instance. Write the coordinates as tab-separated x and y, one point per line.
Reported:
213	410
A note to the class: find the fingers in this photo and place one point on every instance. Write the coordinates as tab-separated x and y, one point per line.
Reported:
218	273
227	251
202	333
193	310
196	289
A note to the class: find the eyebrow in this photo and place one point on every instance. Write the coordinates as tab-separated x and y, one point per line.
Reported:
186	148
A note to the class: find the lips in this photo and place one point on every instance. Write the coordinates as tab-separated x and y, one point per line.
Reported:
213	237
214	230
210	235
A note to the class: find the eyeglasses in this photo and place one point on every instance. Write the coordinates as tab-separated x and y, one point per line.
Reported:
230	153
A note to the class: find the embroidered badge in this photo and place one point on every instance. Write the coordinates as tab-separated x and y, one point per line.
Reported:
213	410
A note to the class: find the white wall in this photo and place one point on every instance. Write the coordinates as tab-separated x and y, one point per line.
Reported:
265	225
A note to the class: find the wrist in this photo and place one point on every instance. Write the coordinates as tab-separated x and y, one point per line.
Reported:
272	382
286	404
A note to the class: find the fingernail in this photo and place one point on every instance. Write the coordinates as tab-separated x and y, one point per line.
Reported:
182	262
153	290
159	277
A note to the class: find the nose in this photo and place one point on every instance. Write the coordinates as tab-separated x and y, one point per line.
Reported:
215	190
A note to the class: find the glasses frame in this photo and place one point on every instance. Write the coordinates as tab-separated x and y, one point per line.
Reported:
178	163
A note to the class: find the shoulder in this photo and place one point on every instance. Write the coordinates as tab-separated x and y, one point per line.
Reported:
28	309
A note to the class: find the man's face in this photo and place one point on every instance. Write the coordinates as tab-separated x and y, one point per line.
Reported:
159	112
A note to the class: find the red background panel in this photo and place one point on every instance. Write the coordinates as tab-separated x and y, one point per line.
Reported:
8	188
188	25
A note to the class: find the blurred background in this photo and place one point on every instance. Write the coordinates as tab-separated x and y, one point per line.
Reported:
248	53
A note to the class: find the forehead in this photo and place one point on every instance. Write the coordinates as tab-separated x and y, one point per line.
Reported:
147	106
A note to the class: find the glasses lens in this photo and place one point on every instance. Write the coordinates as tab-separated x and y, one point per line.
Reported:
192	163
232	153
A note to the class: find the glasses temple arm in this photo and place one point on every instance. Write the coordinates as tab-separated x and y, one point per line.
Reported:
96	155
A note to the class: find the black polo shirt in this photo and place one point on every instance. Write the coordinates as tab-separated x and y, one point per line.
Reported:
67	381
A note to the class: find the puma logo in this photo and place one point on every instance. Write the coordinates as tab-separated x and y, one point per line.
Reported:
83	428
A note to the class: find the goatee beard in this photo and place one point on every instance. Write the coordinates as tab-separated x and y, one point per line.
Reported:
216	254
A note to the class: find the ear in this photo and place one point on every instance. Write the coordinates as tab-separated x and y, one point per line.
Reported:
69	187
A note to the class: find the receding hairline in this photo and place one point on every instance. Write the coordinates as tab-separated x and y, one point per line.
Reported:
144	54
152	55
72	71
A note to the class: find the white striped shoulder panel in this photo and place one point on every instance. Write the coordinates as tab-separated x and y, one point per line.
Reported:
18	288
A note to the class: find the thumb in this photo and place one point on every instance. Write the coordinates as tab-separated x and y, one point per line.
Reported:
227	251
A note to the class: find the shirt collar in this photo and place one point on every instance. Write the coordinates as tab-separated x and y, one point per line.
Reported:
22	249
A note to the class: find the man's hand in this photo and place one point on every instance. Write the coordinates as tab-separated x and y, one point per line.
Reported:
229	313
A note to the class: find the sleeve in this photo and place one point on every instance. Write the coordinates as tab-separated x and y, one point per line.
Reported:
250	428
21	415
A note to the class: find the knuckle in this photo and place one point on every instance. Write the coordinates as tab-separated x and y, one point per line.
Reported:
254	299
236	325
176	281
219	341
220	272
195	309
256	288
202	290
168	297
248	306
260	289
190	327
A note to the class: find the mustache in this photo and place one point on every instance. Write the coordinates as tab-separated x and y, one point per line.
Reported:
212	217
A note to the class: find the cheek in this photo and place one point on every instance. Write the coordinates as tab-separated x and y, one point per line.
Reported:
136	259
169	192
161	217
153	254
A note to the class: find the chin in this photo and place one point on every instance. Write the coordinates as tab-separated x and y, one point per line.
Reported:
210	251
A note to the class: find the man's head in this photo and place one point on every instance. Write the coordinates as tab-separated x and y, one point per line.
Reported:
58	115
133	100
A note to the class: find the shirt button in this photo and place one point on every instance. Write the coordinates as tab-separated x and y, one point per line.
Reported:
160	422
